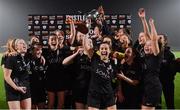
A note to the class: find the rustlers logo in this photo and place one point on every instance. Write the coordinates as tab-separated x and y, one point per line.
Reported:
29	27
113	21
52	22
129	21
59	27
44	42
44	27
36	22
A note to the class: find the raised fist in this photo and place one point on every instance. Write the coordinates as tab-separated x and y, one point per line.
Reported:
141	13
101	10
151	21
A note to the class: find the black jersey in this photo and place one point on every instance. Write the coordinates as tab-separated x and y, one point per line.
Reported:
151	67
151	84
133	72
56	76
132	93
37	82
20	67
101	76
83	71
167	71
37	69
81	74
54	59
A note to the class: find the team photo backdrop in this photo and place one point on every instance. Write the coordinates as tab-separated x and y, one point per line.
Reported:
43	25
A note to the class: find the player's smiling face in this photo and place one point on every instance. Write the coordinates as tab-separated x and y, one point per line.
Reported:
104	50
148	47
38	52
128	53
53	42
97	31
80	37
142	38
21	46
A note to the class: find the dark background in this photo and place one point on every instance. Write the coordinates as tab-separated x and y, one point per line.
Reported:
13	14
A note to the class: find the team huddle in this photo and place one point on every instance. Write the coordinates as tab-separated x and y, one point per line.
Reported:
104	70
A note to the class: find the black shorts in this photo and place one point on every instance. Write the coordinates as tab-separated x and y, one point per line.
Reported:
39	97
13	95
56	83
152	95
38	93
80	95
100	100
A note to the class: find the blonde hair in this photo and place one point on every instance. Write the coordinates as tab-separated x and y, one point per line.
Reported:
16	42
10	47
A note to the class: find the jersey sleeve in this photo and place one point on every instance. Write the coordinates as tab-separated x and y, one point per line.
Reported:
10	61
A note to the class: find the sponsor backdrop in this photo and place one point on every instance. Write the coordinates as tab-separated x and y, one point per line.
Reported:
43	25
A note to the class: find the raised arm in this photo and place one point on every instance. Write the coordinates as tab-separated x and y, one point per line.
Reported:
68	60
154	37
73	32
88	46
142	16
101	12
